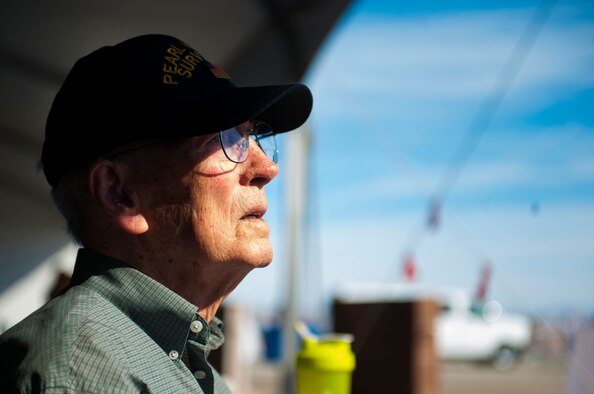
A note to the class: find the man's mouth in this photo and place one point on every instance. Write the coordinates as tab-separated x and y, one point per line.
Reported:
251	216
256	213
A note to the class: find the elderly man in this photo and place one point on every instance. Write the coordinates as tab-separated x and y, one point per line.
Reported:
158	163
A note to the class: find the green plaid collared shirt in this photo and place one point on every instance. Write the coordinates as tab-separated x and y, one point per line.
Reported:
114	331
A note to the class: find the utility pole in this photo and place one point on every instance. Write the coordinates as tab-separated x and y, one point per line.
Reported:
296	194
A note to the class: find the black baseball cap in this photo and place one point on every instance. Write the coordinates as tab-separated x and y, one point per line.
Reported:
154	86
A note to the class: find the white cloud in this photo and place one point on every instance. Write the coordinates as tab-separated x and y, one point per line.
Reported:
481	178
547	254
583	168
505	160
450	57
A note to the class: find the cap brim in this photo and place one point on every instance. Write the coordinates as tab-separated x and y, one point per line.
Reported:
283	107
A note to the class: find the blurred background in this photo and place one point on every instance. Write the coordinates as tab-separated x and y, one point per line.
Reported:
449	156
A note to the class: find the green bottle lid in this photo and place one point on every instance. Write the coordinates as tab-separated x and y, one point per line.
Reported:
328	353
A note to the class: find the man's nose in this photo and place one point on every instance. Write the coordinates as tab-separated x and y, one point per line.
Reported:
259	168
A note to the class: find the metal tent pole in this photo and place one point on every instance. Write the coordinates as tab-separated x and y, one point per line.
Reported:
296	187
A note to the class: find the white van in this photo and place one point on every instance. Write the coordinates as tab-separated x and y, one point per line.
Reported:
463	331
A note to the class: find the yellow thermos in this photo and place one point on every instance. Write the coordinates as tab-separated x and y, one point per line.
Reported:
325	365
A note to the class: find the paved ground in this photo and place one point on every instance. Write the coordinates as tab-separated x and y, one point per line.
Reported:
532	376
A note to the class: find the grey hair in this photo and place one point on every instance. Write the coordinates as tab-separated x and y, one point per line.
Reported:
71	197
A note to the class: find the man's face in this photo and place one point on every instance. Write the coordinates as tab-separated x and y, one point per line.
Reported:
229	202
203	208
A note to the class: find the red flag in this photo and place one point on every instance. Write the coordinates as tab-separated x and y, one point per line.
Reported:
481	292
409	269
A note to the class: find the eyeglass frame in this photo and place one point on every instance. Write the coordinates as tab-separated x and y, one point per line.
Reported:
258	137
251	131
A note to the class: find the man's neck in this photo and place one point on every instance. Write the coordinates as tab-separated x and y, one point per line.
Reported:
204	284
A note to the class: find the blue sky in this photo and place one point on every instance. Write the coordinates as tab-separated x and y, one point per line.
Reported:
396	86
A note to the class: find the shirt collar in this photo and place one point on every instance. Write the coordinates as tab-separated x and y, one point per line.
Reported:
164	315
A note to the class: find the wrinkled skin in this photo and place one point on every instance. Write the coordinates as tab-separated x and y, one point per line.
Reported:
204	228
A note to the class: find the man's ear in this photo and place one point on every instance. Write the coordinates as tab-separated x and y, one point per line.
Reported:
107	185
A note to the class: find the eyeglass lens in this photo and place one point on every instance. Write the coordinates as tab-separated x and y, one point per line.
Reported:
267	143
234	144
235	141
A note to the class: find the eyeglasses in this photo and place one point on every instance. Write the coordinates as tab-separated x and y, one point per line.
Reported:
236	141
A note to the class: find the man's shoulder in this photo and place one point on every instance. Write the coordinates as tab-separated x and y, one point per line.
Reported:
52	343
60	319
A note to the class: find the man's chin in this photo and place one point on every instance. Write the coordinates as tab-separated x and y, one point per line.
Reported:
257	255
262	260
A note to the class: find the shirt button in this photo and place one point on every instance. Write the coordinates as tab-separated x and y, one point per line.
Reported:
196	326
200	374
173	355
